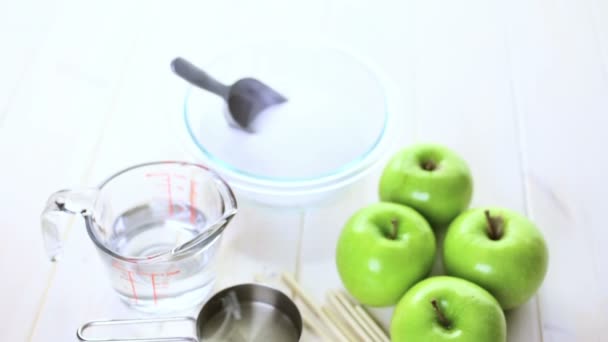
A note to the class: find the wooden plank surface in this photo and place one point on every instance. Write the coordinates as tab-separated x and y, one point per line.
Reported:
50	137
24	27
561	96
599	12
519	89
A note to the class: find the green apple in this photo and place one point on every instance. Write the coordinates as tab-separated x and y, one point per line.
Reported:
382	251
448	309
498	249
430	178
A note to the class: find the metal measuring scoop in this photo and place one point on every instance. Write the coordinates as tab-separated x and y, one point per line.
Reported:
246	98
241	313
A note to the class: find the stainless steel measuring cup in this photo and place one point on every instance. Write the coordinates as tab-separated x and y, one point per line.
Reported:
241	313
157	227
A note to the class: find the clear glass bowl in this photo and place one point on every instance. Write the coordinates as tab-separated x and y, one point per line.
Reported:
331	131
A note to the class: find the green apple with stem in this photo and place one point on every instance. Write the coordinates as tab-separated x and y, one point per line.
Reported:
445	308
382	251
430	178
498	249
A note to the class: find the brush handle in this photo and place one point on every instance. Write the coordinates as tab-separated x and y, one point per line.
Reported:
198	77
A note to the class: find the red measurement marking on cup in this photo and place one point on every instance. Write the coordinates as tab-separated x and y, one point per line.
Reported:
172	273
132	286
159	274
116	265
162	280
169	194
153	276
129	278
192	199
170	201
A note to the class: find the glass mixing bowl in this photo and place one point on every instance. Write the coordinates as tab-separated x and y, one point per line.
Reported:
332	130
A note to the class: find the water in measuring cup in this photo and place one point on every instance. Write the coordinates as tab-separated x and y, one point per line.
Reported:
155	228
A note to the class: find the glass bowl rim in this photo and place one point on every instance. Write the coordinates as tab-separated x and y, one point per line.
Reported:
344	170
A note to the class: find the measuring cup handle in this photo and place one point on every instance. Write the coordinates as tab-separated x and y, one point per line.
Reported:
80	333
63	202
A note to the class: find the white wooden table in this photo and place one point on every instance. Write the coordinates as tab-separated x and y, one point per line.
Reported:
519	88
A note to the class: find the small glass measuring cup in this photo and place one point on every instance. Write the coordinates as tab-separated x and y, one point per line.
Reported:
157	227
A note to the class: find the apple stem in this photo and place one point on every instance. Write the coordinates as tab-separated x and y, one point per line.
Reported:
440	317
393	234
494	226
429	165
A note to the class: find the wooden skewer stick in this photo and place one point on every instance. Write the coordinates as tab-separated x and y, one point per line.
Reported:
348	316
371	324
293	285
339	324
289	281
315	328
332	327
362	317
352	310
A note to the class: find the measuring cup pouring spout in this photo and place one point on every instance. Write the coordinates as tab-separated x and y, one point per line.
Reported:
157	227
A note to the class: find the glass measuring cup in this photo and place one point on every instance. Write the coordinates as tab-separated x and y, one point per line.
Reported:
157	227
